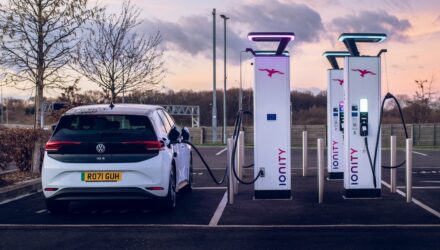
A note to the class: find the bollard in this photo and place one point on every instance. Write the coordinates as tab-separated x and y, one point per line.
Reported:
409	170
229	146
241	150
304	153
393	173
320	170
237	164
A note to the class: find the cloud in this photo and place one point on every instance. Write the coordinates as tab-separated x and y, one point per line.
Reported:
193	34
305	22
374	22
396	66
395	4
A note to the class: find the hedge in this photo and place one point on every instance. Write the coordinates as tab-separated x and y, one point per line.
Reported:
17	145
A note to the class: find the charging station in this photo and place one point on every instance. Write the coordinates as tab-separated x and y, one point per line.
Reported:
362	99
335	116
272	120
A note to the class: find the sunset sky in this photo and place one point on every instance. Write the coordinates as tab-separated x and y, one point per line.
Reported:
413	28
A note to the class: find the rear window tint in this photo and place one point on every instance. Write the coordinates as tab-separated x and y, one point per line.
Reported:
104	128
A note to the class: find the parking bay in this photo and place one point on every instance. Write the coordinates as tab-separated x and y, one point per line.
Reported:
199	207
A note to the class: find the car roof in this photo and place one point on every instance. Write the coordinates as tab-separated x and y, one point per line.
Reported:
118	109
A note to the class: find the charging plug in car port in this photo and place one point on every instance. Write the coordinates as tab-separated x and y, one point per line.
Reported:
263	173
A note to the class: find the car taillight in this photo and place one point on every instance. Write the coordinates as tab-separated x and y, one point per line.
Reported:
53	146
149	145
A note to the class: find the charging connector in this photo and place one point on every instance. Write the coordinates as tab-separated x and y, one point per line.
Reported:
262	172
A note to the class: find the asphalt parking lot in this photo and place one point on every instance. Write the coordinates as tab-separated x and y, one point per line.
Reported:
200	220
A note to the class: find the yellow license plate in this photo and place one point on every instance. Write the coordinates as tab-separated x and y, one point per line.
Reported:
101	176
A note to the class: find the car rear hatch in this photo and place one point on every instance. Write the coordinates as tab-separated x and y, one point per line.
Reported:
95	138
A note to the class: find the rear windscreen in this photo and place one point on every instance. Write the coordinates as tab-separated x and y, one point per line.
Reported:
104	128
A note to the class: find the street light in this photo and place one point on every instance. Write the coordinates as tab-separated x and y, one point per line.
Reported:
1	103
214	88
225	136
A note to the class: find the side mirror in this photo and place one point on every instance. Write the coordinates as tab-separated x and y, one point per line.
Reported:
185	134
53	127
174	134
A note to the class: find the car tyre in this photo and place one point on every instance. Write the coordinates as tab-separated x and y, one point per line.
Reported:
170	201
57	207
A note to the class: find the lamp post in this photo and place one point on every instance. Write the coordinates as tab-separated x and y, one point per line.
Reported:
214	88
225	136
1	104
240	93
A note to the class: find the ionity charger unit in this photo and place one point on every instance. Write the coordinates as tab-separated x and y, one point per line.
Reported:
362	99
272	120
335	116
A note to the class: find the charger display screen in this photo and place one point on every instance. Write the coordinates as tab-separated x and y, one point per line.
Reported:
363	105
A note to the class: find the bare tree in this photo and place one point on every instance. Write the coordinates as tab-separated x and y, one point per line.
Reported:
421	104
118	59
36	42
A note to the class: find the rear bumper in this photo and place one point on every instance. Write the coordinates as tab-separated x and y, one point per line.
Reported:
110	193
136	177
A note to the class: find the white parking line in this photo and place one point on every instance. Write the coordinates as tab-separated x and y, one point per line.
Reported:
421	187
17	198
415	201
211	169
418	153
41	211
219	211
316	226
295	168
221	151
208	188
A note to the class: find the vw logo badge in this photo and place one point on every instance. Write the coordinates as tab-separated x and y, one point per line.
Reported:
100	148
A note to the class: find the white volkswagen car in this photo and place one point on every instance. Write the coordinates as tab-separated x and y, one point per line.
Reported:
121	152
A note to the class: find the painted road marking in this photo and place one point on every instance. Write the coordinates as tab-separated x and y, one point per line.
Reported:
300	168
252	170
415	201
17	198
421	187
317	226
211	169
428	172
208	188
221	151
418	153
219	211
41	211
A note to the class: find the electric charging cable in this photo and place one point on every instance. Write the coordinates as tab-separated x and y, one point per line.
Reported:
218	182
373	163
235	136
248	166
234	149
